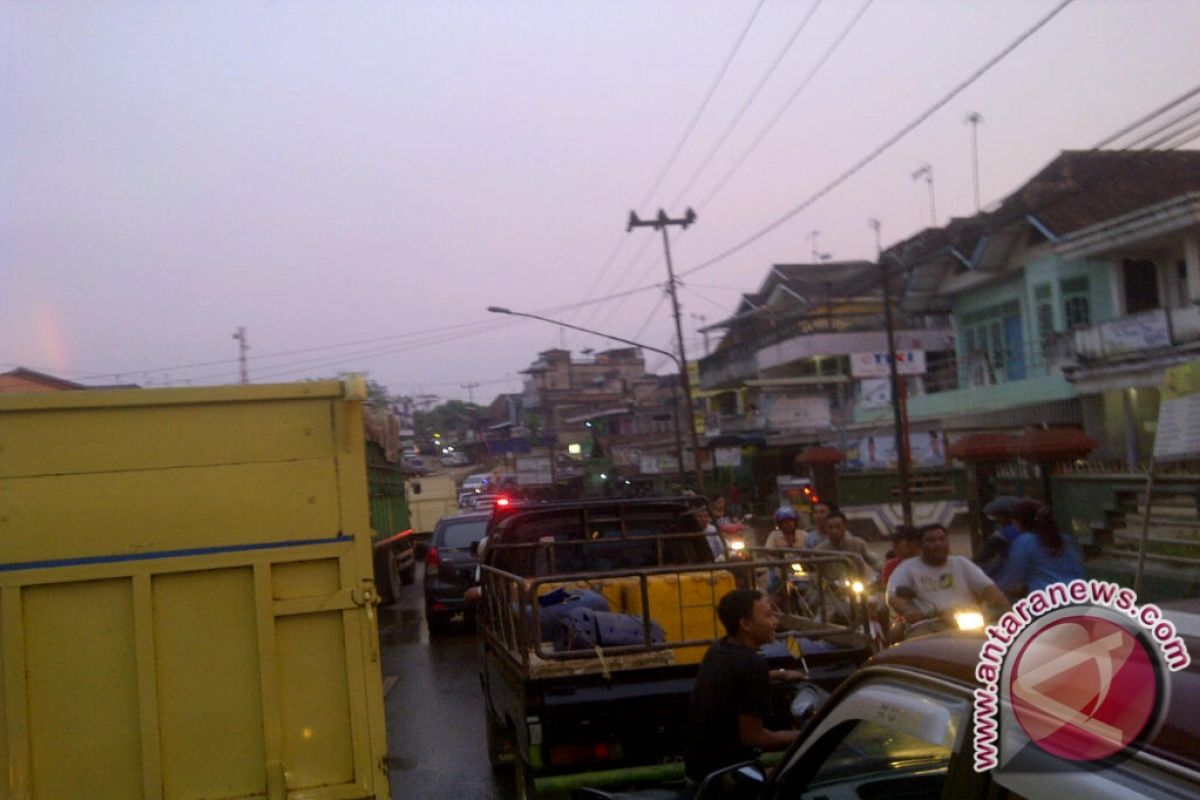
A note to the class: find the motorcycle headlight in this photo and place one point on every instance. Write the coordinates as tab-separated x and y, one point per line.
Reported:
968	620
737	545
857	586
798	569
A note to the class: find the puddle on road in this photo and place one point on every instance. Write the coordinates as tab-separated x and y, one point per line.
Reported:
399	625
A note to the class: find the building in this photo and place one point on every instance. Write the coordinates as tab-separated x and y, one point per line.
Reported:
608	402
809	349
1068	300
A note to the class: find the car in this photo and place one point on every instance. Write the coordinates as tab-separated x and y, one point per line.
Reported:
455	460
902	726
415	465
450	561
477	483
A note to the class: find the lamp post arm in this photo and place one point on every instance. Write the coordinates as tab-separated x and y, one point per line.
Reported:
560	323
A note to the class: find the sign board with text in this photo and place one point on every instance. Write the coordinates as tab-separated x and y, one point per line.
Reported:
1178	432
875	365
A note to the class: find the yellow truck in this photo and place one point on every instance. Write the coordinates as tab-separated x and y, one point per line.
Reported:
186	596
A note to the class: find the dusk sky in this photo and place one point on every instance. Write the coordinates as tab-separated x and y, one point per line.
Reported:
355	182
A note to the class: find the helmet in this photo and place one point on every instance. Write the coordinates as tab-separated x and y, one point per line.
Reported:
786	512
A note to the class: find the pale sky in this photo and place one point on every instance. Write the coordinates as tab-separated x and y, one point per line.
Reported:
377	174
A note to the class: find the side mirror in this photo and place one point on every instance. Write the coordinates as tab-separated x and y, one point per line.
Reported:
744	781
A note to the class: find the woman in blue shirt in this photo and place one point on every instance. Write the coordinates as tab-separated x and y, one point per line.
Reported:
1040	555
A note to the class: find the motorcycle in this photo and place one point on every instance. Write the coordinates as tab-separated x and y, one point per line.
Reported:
969	618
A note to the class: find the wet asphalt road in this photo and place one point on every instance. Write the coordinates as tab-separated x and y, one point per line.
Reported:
436	743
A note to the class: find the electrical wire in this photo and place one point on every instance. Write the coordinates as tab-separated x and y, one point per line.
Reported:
749	101
1138	123
1171	136
712	90
1186	141
1155	131
678	147
650	317
737	164
885	146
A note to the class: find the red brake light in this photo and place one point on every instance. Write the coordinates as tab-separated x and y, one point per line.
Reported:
431	557
502	501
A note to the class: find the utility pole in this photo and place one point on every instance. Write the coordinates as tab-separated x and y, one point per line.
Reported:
661	223
973	119
898	415
926	171
470	387
242	348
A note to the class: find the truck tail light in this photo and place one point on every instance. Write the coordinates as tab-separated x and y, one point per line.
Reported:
431	557
561	754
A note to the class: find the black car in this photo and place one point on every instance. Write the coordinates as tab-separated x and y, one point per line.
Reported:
450	567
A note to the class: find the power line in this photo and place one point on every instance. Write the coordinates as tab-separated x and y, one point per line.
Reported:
1168	124
737	165
887	144
1172	135
1138	123
708	300
749	101
678	147
712	90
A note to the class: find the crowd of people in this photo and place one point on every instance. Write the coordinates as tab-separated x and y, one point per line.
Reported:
921	580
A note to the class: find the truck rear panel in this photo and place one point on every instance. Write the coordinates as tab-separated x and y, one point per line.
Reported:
185	595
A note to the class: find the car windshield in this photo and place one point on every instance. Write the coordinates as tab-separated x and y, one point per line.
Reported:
460	534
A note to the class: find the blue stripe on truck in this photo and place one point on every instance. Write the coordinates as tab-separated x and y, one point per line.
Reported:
198	551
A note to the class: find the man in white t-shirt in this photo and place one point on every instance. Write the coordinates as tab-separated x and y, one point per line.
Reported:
941	582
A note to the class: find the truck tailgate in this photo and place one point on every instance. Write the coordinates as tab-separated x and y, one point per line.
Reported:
185	595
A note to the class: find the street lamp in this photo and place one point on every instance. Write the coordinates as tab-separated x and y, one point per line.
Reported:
632	343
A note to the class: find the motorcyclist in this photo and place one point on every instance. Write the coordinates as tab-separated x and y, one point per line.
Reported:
939	582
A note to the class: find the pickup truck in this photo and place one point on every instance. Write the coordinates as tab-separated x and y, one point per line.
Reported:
579	712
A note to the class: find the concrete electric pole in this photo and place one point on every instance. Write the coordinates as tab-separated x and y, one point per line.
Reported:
661	223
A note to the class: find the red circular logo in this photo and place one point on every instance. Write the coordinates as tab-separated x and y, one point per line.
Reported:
1083	688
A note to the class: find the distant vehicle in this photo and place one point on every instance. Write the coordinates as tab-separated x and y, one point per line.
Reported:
477	483
455	460
450	568
416	465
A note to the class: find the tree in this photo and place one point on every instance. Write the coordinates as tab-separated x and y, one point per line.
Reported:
453	419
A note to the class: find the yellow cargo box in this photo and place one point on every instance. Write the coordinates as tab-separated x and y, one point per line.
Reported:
685	605
186	602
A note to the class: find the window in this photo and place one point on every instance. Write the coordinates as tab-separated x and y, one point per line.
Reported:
993	336
1045	318
873	760
1076	304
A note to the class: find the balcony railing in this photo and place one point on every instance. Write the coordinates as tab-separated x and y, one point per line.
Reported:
1149	330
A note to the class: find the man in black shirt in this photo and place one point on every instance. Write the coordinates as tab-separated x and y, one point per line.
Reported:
732	692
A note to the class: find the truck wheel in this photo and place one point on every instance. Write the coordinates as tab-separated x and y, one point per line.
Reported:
390	588
386	581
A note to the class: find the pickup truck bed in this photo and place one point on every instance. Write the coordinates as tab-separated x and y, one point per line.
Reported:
600	713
